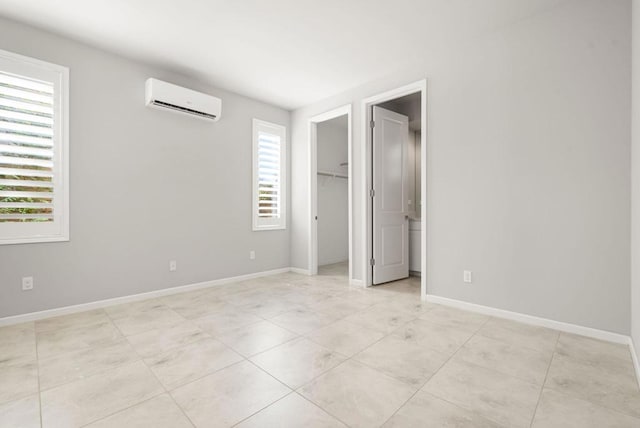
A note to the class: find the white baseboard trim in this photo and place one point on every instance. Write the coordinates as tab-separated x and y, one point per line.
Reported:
34	316
634	357
300	271
356	282
532	320
333	261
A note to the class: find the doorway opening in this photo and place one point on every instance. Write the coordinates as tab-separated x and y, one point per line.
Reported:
394	169
330	195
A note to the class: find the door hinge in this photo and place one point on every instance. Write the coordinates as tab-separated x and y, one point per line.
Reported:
372	262
372	193
372	124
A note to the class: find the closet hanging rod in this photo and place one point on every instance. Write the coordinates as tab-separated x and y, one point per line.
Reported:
332	174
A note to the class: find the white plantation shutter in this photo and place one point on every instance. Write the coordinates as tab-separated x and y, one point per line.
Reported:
268	175
269	146
33	188
26	150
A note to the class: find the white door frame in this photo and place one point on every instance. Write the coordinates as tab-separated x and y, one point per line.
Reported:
367	178
313	185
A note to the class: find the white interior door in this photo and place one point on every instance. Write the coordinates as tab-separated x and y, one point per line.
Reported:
390	197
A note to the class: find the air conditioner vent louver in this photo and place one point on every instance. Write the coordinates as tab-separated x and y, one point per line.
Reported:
184	109
167	96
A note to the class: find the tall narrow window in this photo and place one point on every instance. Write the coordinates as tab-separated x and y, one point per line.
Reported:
33	150
269	160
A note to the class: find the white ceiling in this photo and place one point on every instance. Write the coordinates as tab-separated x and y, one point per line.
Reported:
287	52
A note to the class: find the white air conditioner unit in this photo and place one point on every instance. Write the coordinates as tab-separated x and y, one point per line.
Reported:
166	96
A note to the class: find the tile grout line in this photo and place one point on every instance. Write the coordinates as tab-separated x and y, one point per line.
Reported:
113	321
535	410
316	404
120	411
352	357
476	333
375	343
263	408
588	401
572	358
357	352
118	366
101	371
122	339
205	374
474	412
321	408
593	403
98	373
292	392
503	342
173	348
312	379
273	402
124	408
436	372
263	351
209	336
35	337
528	348
166	391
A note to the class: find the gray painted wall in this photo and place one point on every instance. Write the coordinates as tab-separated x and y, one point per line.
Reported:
635	188
333	193
147	186
528	165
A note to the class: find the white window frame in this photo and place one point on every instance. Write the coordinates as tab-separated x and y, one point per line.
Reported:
281	131
58	229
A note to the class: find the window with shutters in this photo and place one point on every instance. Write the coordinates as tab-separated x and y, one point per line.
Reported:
34	197
269	160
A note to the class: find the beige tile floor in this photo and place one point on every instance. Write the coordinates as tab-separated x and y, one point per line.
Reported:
295	351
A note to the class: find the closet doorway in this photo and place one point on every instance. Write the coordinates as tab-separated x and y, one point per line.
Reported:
330	240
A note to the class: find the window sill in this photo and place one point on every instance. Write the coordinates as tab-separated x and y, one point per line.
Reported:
260	229
34	240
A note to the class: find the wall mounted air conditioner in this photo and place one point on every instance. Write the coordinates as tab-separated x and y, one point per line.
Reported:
166	96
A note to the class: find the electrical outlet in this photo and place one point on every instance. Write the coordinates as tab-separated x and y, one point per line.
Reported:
27	283
466	276
173	266
252	255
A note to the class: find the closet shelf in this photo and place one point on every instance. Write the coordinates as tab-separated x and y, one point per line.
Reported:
332	174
